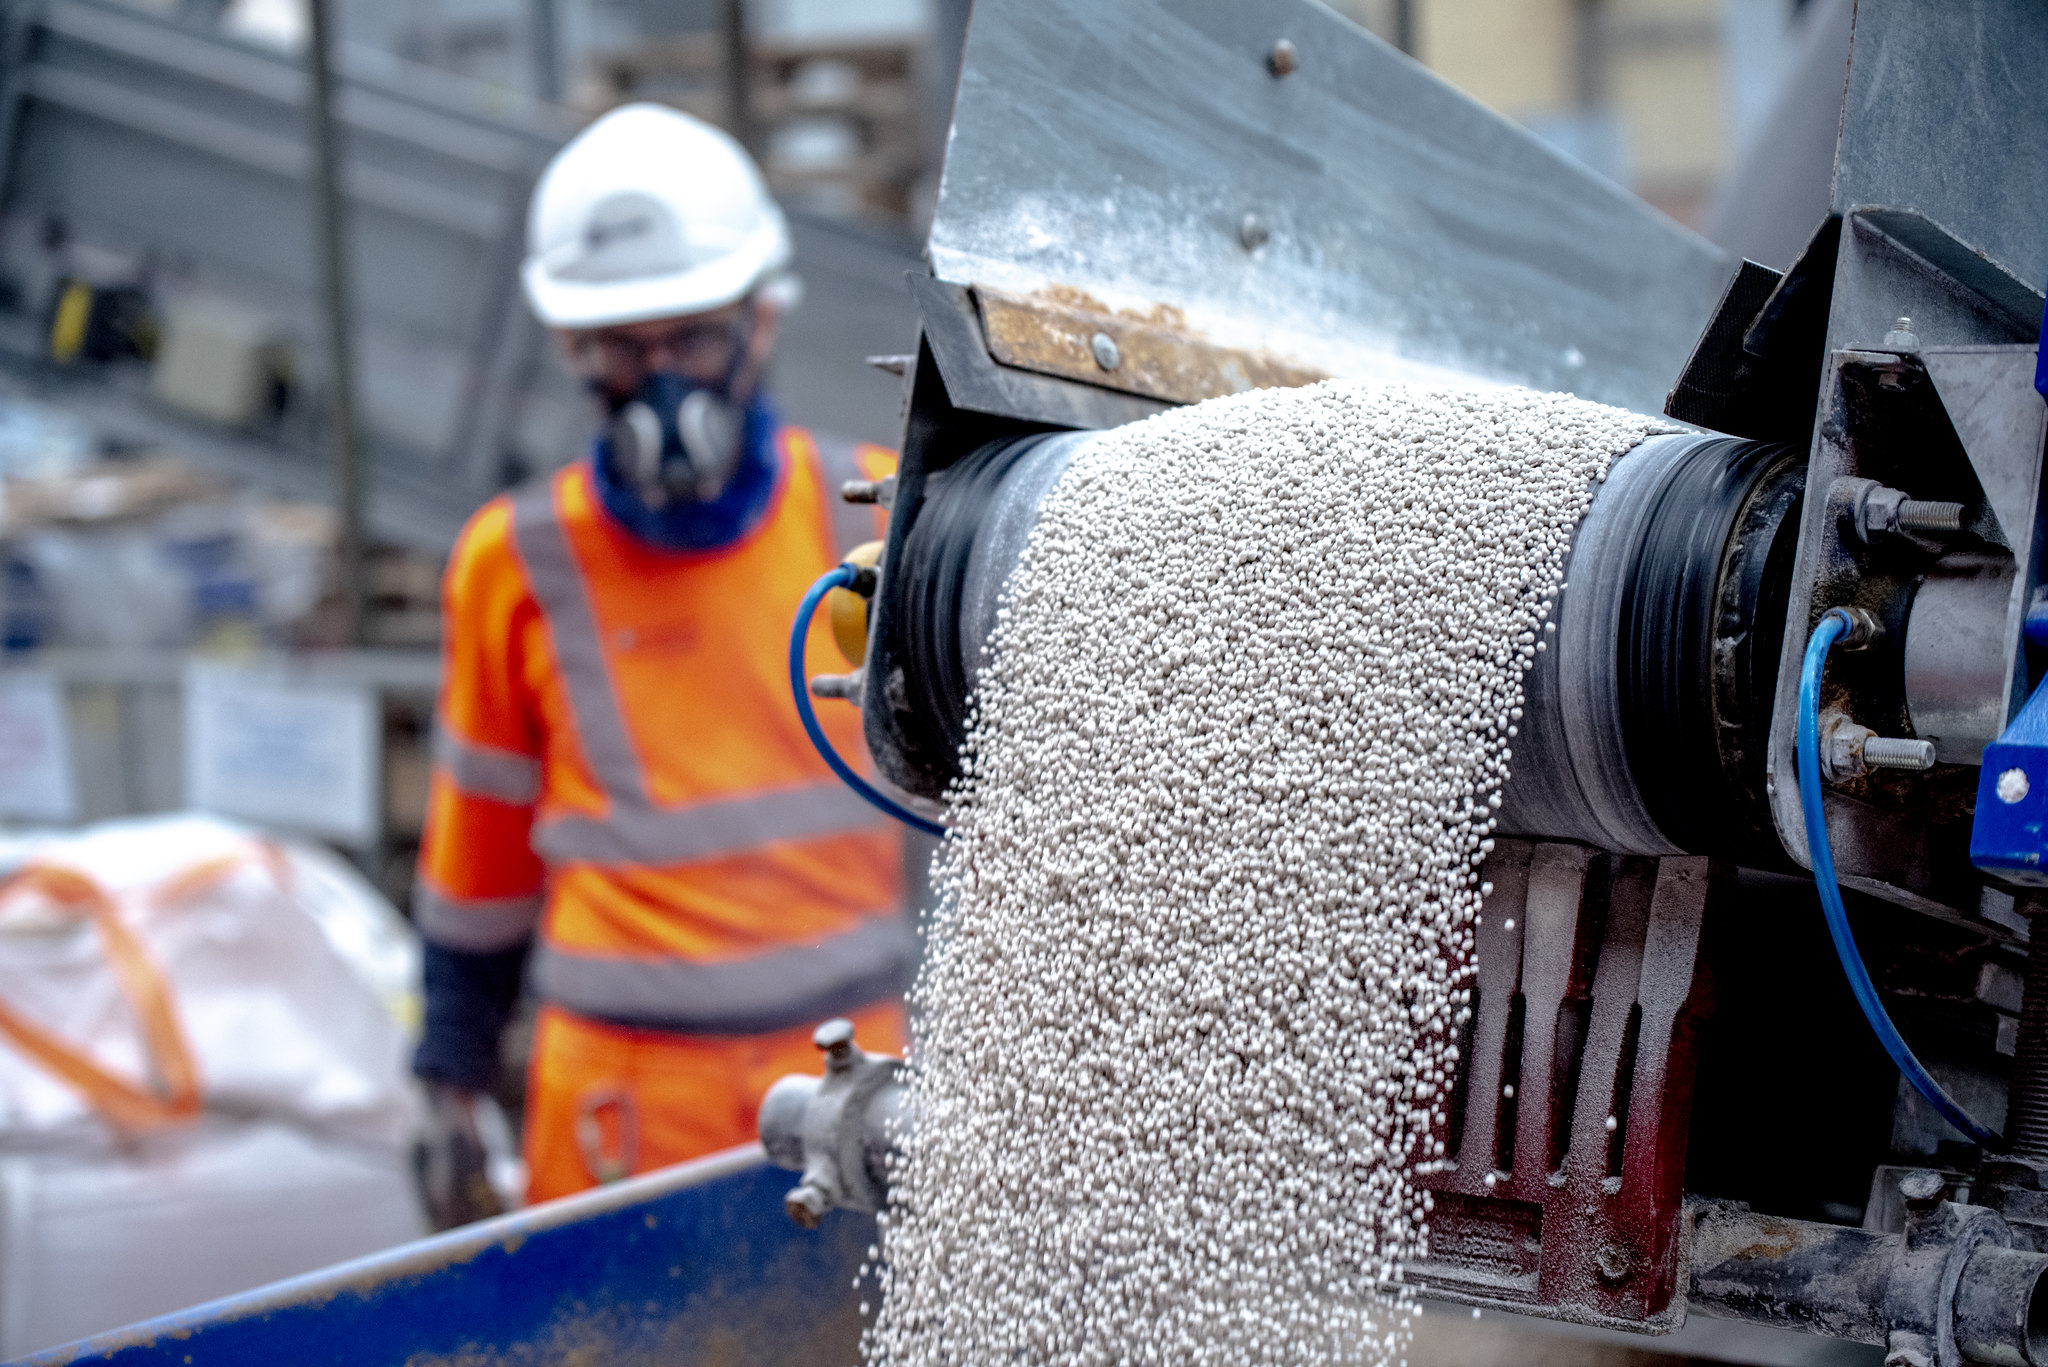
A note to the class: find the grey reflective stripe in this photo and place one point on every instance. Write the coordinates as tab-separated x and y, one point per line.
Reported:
852	523
773	991
557	584
703	830
487	771
479	925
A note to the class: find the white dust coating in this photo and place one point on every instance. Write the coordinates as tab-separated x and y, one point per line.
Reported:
1187	1020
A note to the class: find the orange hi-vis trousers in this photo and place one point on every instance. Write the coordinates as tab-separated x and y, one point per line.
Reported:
605	1102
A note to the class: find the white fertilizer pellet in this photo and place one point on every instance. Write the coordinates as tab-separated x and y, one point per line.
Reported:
1188	1016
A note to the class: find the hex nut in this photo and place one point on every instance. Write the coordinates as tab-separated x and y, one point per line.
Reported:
806	1205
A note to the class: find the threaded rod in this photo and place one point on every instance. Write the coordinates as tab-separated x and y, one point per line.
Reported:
2026	1112
1927	515
1891	752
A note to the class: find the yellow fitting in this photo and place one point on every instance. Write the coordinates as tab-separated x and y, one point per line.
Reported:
67	328
848	611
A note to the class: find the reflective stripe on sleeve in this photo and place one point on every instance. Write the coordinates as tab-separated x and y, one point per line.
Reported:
633	834
557	583
487	771
475	925
777	990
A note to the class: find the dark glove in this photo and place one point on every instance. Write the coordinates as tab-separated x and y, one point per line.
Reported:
448	1160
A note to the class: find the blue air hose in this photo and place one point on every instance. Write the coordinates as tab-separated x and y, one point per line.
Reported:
839	578
1833	624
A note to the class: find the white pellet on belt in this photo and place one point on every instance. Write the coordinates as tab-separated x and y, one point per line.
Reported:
1187	1024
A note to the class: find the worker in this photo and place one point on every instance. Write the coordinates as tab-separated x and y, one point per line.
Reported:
626	814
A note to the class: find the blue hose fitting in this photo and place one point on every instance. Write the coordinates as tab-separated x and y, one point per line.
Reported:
840	577
1835	624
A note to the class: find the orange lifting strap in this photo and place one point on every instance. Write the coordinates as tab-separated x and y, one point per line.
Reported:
127	1107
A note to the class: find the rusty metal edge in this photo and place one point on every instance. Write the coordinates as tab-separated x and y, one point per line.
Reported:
974	381
1152	358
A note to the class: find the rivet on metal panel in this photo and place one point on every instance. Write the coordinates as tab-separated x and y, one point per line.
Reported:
1104	348
1252	232
1282	60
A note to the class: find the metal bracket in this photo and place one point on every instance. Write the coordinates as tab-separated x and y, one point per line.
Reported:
1077	337
1567	1133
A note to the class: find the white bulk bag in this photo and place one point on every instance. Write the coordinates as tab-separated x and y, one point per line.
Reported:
292	983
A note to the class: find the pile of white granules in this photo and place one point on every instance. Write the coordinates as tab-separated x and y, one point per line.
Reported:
1189	1012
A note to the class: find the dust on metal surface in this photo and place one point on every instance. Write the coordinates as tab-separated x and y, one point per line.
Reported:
692	1264
1070	333
1360	216
1569	1130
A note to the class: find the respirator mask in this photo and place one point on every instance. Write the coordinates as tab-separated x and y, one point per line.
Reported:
676	440
680	439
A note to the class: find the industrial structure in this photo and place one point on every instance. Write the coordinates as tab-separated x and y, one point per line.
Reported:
1802	639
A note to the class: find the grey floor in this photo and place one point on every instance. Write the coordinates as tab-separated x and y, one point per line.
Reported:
1448	1336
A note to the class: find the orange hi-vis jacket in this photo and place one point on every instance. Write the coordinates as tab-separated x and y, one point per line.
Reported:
620	768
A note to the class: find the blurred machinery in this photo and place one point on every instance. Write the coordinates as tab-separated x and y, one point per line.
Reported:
157	271
1803	639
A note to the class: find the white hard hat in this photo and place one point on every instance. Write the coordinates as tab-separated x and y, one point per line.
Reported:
649	213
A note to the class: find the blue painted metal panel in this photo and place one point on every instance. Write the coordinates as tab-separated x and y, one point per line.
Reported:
2009	834
693	1264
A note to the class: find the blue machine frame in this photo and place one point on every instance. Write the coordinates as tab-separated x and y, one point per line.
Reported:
693	1264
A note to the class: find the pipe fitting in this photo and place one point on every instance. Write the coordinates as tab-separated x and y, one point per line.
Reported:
840	1130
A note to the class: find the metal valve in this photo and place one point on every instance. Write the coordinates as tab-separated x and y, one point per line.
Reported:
839	1130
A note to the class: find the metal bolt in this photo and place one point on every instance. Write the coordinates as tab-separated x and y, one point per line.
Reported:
1892	752
1841	746
882	491
2012	786
894	364
1252	232
1930	515
1106	354
845	687
1614	1262
1283	59
1901	337
1848	750
1921	1187
1880	509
